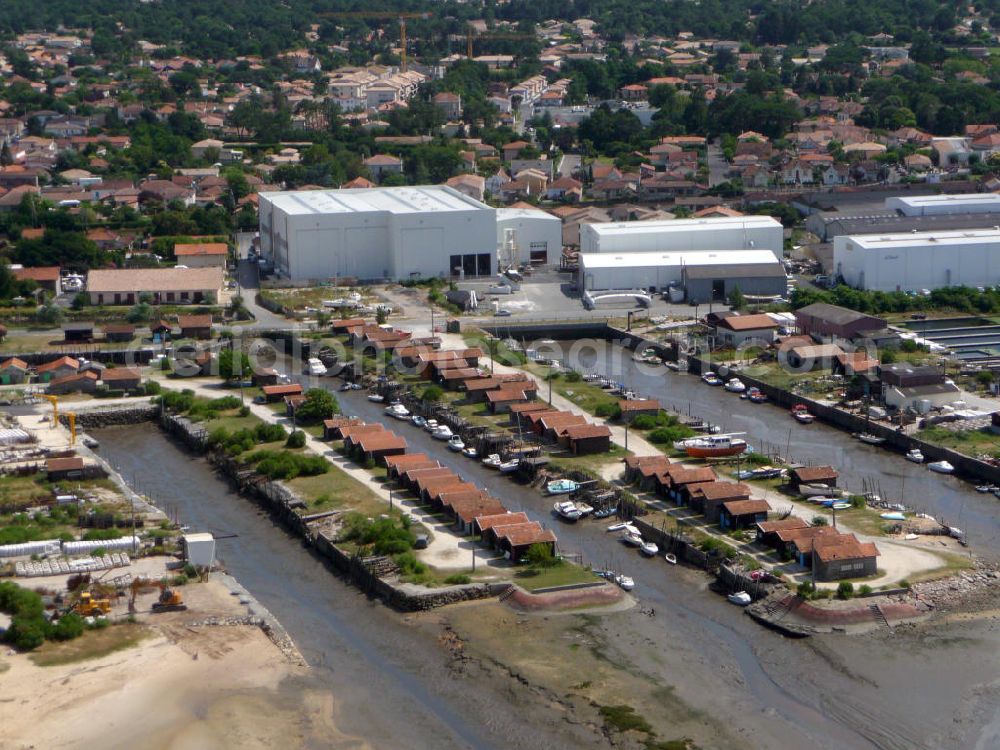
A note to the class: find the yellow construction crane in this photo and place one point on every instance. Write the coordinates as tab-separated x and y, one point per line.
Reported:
376	15
54	400
470	34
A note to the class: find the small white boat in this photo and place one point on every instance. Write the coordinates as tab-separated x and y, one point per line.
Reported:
585	510
649	549
711	378
735	385
376	398
618	526
870	439
492	461
915	456
801	414
430	425
817	490
470	452
442	432
740	598
941	467
625	582
397	411
987	488
671	558
567	510
455	443
346	387
632	539
508	467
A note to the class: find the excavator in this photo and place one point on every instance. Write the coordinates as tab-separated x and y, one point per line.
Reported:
169	601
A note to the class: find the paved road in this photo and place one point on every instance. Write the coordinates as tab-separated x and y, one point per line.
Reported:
249	286
717	164
569	164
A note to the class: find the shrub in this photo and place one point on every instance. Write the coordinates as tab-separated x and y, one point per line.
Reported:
541	556
456	579
409	565
26	633
608	410
644	422
432	393
296	440
319	404
69	626
864	589
624	719
100	535
819	521
670	435
573	377
245	412
845	590
806	590
285	465
268	433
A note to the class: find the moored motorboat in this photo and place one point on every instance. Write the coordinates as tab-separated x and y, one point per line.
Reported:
893	516
740	598
715	446
625	582
507	467
442	432
455	443
430	425
987	488
711	378
671	558
562	486
632	538
915	456
941	467
870	438
470	452
756	396
801	414
735	385
585	510
398	411
492	461
567	510
417	421
376	398
618	526
649	549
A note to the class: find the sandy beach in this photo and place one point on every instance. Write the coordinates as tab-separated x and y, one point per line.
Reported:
180	688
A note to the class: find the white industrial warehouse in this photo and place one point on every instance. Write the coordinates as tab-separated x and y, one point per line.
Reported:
721	234
918	260
398	233
705	275
938	205
528	235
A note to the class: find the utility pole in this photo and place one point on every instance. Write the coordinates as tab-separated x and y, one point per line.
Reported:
626	436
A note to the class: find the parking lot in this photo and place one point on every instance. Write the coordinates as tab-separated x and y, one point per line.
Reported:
549	295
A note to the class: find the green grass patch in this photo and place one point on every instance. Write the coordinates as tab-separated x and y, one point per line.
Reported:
623	718
93	644
563	574
335	490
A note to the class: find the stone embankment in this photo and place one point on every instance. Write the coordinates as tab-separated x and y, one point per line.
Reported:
971	590
113	416
259	616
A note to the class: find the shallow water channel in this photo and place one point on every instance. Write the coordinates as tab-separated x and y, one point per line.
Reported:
399	696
